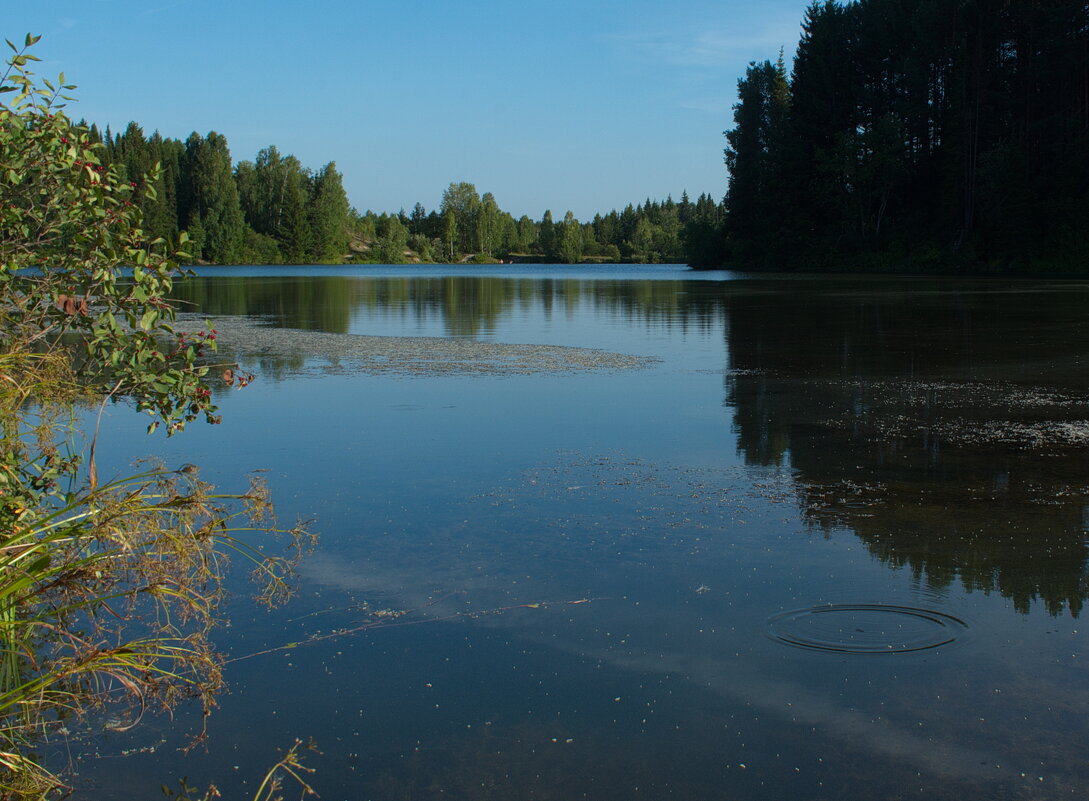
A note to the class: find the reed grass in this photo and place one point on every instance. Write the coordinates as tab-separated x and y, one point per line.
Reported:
108	592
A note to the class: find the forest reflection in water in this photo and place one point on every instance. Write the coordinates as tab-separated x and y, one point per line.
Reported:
605	544
461	305
943	421
794	537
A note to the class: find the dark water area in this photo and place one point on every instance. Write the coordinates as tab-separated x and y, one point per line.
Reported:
830	541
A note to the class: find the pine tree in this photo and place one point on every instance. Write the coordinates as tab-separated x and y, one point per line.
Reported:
570	245
329	215
211	198
547	236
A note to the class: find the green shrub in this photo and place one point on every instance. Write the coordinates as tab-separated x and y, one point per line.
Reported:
107	591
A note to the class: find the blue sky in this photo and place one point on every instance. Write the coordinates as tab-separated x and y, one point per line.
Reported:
561	105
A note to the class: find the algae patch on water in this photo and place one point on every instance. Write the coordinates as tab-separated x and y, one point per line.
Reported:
297	351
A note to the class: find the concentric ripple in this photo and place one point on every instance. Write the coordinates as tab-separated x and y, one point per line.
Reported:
865	628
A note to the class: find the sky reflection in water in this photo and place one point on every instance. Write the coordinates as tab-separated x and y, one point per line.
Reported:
591	560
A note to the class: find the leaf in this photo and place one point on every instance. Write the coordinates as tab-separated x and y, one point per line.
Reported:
32	40
38	565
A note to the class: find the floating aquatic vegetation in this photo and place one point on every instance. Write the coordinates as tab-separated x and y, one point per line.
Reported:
304	352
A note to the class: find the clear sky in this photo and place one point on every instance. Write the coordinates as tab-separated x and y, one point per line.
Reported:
582	105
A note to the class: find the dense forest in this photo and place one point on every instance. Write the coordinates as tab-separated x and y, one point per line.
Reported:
927	135
468	223
273	210
931	134
269	210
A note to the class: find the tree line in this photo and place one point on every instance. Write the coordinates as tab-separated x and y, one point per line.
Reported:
273	210
270	210
936	133
471	226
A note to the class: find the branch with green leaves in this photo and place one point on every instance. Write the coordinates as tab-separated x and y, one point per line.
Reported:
108	591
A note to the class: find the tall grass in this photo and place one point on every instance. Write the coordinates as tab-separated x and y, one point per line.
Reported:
108	591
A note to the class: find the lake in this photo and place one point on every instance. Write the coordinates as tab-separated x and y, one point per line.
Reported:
639	532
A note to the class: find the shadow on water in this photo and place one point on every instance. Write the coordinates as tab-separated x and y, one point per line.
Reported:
601	570
945	422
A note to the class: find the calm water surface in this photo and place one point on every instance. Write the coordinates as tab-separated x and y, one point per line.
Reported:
832	544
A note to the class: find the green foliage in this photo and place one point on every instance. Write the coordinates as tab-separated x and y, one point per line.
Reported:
754	155
487	226
107	591
108	598
912	128
703	240
476	230
392	240
75	262
299	216
526	236
364	226
546	236
293	229
570	245
260	248
210	198
461	203
328	215
425	248
273	210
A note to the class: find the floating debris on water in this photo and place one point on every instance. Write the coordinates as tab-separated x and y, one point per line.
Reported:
253	338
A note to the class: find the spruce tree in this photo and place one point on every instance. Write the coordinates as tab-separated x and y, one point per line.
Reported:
211	198
328	215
